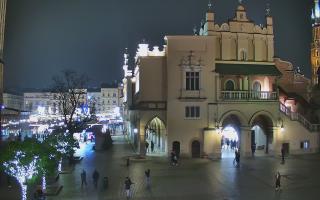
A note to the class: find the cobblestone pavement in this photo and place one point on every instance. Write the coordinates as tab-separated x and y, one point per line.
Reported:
193	179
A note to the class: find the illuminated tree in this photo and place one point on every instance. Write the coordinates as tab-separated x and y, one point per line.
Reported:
27	161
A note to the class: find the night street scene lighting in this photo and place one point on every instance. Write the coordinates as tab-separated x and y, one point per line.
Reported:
193	99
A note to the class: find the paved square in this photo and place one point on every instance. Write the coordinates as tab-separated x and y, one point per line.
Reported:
199	179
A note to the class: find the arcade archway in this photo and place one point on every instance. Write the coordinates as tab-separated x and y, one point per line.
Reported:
230	136
155	135
262	134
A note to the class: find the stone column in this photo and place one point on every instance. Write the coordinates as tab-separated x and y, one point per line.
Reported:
245	141
212	143
218	87
142	139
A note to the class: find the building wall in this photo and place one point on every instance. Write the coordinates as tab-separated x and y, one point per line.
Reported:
13	101
3	4
238	41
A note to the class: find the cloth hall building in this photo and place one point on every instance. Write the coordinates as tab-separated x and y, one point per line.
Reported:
220	85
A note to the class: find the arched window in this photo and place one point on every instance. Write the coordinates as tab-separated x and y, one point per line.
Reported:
256	86
229	85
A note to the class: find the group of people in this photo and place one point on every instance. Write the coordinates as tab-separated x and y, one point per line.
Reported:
227	143
95	177
151	146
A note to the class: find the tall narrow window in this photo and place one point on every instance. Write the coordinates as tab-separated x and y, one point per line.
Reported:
192	112
192	80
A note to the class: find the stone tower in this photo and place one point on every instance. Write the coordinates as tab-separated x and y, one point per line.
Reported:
2	28
315	45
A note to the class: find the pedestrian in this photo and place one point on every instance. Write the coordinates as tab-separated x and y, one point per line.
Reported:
148	178
95	177
172	154
237	158
127	186
253	149
147	146
282	155
152	146
278	180
128	161
83	178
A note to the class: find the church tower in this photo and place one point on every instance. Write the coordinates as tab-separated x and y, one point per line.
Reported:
315	45
2	27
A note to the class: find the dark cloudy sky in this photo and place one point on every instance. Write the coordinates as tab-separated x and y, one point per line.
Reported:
43	37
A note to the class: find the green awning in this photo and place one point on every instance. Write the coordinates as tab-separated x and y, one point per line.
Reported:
247	69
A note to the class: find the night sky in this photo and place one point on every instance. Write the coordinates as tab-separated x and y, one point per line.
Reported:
43	37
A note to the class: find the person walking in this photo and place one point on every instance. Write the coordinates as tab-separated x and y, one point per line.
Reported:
278	180
237	158
127	186
148	178
128	161
95	177
253	149
282	155
152	146
83	178
147	146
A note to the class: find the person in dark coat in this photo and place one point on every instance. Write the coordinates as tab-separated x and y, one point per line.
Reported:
147	146
282	155
127	186
278	181
253	149
152	146
237	154
148	178
83	178
95	177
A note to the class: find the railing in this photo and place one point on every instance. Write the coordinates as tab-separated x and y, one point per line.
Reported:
248	95
300	118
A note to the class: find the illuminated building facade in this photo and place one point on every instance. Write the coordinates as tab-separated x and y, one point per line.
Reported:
199	89
315	44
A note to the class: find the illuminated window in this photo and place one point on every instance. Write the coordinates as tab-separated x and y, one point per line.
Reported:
192	80
305	144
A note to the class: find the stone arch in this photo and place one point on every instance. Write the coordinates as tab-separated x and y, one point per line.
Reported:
262	112
262	123
156	135
242	118
154	117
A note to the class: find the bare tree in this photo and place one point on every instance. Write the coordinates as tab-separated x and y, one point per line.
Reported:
69	92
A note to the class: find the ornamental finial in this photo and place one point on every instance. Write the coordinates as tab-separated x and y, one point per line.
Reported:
210	5
268	10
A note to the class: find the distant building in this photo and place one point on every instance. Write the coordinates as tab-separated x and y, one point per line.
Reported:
40	103
13	101
104	101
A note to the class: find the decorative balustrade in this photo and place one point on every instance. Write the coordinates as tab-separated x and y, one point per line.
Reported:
248	95
300	118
